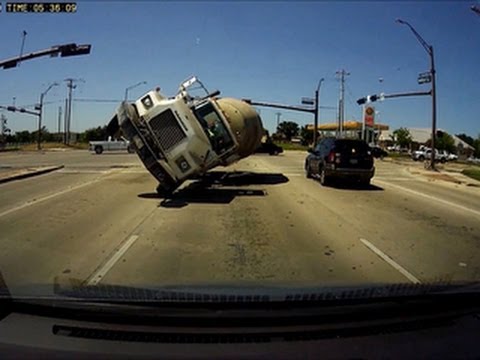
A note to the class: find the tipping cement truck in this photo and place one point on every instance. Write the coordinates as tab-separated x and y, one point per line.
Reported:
182	137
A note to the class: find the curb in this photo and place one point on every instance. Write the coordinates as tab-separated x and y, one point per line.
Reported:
30	174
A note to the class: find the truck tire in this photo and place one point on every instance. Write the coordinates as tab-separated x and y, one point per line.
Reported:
442	160
421	158
130	149
98	149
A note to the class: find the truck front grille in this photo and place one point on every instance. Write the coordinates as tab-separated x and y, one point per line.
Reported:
167	129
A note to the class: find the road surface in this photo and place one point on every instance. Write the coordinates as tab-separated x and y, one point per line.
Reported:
100	221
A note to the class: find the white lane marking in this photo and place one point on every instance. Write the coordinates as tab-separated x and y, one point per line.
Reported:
382	177
48	197
100	273
84	171
390	261
430	197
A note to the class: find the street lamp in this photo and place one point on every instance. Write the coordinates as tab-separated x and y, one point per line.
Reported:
133	86
40	109
315	121
429	49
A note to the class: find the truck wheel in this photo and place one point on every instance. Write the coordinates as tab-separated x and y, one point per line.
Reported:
130	149
442	160
163	192
421	158
98	150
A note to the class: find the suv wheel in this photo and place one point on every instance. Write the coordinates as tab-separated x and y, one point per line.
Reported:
98	150
365	183
323	177
308	172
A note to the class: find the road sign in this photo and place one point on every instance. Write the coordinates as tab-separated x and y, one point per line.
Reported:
369	115
424	78
308	101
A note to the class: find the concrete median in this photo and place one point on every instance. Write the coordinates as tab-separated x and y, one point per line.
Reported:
23	173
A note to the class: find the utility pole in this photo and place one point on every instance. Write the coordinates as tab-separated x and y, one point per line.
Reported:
3	122
59	121
341	110
278	119
433	92
65	122
40	113
316	113
68	112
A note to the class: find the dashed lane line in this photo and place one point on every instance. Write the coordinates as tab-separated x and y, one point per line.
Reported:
102	271
390	261
430	197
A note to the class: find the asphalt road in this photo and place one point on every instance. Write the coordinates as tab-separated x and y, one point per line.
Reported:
99	220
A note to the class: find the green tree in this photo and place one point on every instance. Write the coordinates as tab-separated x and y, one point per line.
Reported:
468	139
288	128
93	134
402	137
23	136
445	141
307	135
476	145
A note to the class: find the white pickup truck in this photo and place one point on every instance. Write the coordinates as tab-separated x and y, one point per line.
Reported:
426	153
110	144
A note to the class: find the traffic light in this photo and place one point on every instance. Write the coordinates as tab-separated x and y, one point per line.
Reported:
74	49
368	99
10	64
361	101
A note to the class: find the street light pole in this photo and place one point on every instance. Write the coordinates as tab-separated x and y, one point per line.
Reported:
429	49
40	110
317	105
133	86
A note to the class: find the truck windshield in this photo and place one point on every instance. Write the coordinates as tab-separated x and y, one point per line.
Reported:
214	127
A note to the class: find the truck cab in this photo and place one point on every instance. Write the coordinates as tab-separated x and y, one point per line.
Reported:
184	136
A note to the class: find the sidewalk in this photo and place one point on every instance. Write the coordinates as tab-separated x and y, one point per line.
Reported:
449	172
15	173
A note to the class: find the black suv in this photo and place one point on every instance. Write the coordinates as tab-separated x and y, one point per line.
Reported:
340	158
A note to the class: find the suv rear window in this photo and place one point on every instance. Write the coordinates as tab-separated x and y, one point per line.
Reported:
346	146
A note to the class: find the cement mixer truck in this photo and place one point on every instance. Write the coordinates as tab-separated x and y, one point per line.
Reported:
182	137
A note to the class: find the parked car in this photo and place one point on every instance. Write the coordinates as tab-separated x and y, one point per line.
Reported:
474	160
378	152
452	157
110	144
340	158
269	148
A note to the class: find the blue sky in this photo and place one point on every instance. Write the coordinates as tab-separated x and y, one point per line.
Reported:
270	51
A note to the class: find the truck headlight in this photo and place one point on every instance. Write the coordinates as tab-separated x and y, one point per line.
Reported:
182	164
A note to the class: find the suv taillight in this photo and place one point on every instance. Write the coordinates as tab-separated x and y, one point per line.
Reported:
331	157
